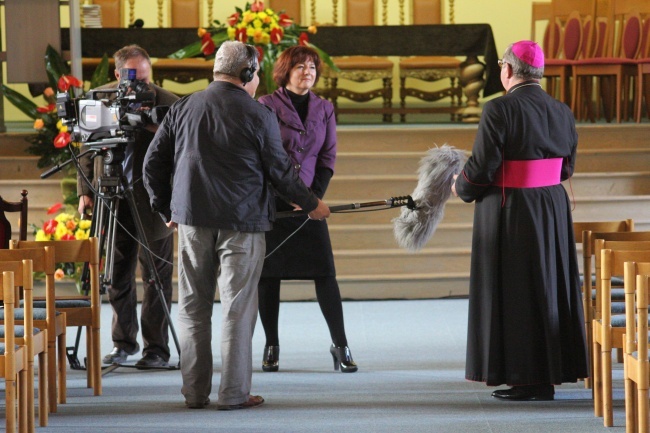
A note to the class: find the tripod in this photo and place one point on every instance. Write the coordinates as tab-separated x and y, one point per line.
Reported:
112	186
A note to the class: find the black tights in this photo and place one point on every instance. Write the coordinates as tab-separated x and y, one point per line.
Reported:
329	299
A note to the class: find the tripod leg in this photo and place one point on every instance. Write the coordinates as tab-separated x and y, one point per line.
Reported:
150	262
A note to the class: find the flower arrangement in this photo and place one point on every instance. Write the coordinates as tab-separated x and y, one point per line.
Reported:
270	32
52	136
63	227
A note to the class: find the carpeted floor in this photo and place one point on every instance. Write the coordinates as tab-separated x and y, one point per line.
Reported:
411	379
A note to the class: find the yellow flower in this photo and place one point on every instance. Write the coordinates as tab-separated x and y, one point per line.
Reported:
231	33
39	124
59	274
201	31
312	29
63	217
248	17
41	236
84	224
262	15
81	234
257	24
60	231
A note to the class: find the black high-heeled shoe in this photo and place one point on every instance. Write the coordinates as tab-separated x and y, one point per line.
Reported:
271	359
343	357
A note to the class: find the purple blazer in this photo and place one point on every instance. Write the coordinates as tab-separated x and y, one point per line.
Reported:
310	145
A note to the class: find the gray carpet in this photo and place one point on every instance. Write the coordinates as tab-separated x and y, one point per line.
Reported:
411	379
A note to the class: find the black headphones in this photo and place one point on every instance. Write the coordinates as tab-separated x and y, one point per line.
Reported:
247	74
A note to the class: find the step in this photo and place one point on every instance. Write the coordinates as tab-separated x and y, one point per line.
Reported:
365	236
612	160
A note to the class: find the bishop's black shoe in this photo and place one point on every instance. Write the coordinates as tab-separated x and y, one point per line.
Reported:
526	393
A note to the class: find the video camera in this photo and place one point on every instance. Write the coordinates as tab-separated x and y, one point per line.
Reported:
110	121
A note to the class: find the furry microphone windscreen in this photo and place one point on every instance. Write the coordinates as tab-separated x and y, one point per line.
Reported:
414	228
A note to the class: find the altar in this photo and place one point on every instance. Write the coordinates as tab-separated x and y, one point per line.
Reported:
471	41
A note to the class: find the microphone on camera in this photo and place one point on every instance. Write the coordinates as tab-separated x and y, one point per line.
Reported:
137	24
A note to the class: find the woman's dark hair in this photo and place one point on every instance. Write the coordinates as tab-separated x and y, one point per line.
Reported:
290	58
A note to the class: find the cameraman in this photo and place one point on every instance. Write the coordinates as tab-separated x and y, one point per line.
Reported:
122	292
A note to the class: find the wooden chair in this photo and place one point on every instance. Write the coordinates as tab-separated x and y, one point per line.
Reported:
51	320
618	66
185	13
430	68
13	361
80	310
636	369
583	234
609	329
35	341
540	11
5	225
361	69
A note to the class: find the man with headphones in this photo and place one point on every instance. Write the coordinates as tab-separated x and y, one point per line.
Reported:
207	173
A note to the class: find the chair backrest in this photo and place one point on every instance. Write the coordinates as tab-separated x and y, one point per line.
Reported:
630	40
573	36
293	8
552	51
541	11
427	12
185	13
360	12
561	10
23	279
645	39
112	12
636	275
5	225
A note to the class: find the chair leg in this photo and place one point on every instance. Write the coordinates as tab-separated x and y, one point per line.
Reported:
97	368
23	413
89	358
630	392
52	375
608	413
10	404
597	373
29	395
62	364
642	412
43	397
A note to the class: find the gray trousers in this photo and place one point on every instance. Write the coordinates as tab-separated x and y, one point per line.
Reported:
232	260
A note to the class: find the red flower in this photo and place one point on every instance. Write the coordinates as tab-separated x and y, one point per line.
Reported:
240	35
62	140
49	227
54	209
67	81
207	44
260	53
257	6
47	109
303	39
285	20
276	35
233	19
68	237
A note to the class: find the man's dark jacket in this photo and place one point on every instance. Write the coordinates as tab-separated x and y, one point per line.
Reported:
222	148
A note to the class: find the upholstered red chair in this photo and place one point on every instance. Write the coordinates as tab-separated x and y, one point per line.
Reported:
643	74
574	43
614	72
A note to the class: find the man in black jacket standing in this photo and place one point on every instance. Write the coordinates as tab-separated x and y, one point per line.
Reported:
122	292
207	173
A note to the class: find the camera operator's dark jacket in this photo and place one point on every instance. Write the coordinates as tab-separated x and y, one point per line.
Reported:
222	148
153	226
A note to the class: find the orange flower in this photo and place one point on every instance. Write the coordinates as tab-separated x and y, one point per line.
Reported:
70	225
201	32
59	274
39	124
312	30
48	92
54	208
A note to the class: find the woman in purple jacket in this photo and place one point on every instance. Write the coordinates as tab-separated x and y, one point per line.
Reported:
308	130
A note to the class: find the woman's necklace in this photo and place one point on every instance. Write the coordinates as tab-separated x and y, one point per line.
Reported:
524	85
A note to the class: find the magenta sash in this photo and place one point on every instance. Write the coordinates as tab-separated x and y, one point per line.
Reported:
532	173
